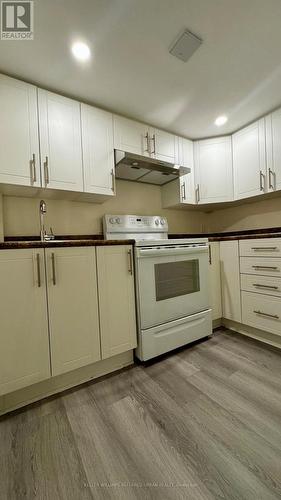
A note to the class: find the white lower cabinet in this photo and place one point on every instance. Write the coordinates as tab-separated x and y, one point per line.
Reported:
73	308
215	280
262	312
24	343
116	299
230	279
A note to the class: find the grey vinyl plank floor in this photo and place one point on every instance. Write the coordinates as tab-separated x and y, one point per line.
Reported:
200	423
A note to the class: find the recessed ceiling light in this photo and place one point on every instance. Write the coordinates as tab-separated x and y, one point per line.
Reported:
81	51
221	120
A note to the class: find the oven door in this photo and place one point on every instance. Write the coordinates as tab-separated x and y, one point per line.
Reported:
171	283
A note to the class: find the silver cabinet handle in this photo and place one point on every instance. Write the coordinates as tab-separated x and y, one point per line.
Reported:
197	193
113	187
273	268
46	171
147	143
269	287
130	265
38	270
264	248
154	145
210	254
261	181
54	269
183	192
274	316
33	169
271	176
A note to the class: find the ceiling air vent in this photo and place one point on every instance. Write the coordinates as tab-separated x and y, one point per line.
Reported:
185	45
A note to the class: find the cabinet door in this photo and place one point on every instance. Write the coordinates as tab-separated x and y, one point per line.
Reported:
249	162
73	308
131	136
187	192
24	352
230	279
19	151
163	146
213	170
60	142
98	151
116	299
273	150
215	280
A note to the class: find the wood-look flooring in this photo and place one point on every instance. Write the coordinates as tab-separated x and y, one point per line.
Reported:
201	423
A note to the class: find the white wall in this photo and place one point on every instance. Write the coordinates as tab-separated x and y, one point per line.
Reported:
260	214
21	215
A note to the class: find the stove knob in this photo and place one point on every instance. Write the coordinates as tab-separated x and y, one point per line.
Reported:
157	222
162	222
112	220
118	221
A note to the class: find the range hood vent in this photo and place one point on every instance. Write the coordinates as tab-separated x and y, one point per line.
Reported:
137	168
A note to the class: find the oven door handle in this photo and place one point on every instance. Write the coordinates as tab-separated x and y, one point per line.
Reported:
159	252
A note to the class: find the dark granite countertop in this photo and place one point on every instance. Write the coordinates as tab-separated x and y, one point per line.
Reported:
274	232
60	241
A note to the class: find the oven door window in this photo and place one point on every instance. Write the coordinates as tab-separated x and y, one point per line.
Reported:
173	279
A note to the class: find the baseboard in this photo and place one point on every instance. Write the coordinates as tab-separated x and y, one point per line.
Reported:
217	323
54	385
249	331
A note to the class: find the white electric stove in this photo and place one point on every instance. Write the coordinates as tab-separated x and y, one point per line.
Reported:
171	277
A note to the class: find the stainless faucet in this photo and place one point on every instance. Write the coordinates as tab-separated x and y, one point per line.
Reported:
43	233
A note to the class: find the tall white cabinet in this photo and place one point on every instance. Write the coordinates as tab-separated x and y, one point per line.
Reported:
73	308
213	170
19	151
249	161
24	343
98	151
116	299
60	142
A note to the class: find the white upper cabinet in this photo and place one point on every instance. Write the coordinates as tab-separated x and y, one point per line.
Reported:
163	146
19	151
98	151
60	142
213	170
186	159
249	161
273	150
131	136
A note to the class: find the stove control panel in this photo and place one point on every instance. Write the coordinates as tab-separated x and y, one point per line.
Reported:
135	223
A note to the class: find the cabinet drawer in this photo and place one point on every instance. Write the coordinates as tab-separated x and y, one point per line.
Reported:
261	284
262	247
262	312
261	266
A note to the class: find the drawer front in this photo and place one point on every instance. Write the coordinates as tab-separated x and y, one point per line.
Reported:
261	266
263	247
262	312
261	284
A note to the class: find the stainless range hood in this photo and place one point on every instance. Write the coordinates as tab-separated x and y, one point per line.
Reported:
137	168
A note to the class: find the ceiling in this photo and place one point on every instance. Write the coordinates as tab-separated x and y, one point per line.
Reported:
236	71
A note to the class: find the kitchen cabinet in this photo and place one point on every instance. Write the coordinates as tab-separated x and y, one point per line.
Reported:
262	312
19	152
98	151
249	161
138	138
60	142
230	280
215	280
273	150
181	191
24	352
73	308
213	170
131	136
116	299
